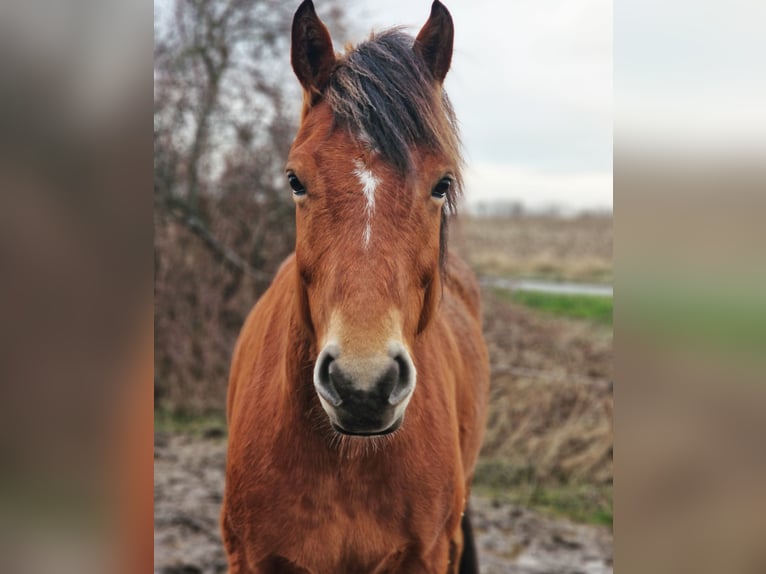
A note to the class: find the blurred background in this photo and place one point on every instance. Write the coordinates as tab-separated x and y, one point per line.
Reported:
531	86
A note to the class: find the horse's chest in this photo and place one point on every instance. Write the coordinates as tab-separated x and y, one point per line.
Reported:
332	526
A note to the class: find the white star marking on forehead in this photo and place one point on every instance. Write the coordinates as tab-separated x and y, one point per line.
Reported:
369	184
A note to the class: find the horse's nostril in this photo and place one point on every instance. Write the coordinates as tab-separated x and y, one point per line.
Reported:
405	381
324	367
323	379
404	365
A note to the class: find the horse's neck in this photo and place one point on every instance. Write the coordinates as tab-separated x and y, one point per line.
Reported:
298	361
299	408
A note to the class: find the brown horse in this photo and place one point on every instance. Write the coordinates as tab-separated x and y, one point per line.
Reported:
358	390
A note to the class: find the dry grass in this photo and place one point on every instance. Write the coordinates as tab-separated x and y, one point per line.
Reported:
551	431
573	249
551	404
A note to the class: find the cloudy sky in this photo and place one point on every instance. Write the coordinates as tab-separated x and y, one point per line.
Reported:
531	82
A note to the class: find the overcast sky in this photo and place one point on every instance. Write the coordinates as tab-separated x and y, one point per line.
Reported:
531	82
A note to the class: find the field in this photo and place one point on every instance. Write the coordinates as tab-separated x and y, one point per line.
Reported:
549	436
543	489
549	247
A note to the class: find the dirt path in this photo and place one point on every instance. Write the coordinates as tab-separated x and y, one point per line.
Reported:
188	488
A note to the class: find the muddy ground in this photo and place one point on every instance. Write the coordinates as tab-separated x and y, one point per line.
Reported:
188	490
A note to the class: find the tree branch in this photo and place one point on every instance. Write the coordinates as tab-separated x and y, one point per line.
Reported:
184	215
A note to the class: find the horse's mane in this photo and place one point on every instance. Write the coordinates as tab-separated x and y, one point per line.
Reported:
383	93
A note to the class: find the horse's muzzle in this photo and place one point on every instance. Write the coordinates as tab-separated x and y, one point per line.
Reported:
364	397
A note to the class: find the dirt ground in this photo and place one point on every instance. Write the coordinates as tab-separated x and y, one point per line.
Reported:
188	490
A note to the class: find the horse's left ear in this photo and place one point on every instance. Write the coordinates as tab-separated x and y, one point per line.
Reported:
311	53
434	41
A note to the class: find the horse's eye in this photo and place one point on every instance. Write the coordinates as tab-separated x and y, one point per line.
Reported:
441	188
296	184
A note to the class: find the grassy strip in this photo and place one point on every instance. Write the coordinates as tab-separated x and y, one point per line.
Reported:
586	503
590	307
581	503
195	424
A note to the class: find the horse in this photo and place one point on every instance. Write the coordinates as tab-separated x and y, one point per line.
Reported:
359	383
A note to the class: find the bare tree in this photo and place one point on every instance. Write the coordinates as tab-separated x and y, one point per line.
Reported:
225	111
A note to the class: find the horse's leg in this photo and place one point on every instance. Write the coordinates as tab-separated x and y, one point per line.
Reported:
469	561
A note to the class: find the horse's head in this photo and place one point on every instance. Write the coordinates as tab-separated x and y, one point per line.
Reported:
374	169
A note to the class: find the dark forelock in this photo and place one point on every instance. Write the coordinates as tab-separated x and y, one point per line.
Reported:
384	94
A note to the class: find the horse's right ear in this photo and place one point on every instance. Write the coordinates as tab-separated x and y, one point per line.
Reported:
311	53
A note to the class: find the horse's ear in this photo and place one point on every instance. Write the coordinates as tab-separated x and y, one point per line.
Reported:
434	41
311	53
